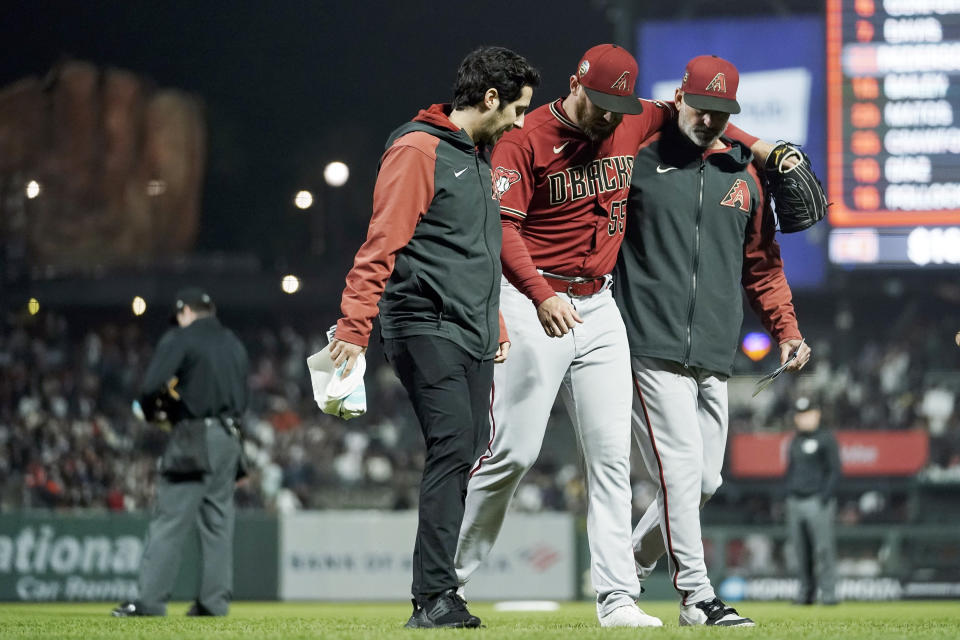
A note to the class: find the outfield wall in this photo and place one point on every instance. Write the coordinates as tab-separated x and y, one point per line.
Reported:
46	555
366	555
322	555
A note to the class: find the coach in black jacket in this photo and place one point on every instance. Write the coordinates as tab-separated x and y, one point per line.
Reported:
432	262
699	235
197	381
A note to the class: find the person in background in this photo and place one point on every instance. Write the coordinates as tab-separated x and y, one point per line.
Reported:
196	382
813	469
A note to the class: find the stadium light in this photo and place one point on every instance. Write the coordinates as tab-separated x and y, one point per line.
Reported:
156	188
139	306
290	284
756	345
33	306
303	199
336	174
33	189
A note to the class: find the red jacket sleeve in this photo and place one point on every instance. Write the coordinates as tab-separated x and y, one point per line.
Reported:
763	278
504	336
402	195
736	133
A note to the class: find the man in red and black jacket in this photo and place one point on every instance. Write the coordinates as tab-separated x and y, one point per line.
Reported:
699	231
432	262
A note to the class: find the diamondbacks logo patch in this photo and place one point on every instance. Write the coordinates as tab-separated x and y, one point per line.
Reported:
718	84
738	196
502	180
622	82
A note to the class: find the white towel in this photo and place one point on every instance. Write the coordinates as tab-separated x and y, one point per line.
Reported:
336	395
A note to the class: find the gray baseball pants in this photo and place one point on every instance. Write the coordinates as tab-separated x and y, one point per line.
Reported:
810	529
680	422
591	370
204	502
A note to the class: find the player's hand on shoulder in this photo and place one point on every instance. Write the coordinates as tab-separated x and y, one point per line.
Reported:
557	316
341	352
502	352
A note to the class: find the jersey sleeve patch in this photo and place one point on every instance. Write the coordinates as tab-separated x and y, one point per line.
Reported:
503	179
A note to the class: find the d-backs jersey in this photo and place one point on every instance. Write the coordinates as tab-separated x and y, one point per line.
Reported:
567	192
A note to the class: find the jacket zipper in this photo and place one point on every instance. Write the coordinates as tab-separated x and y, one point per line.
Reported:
486	240
696	266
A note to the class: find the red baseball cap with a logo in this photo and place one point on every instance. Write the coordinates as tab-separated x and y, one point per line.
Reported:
710	84
608	73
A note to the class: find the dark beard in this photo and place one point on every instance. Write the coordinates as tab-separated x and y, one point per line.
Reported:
595	132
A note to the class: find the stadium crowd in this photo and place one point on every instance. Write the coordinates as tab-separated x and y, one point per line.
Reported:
68	438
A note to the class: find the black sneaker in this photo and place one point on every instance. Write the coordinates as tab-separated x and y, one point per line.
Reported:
447	609
713	613
198	610
129	609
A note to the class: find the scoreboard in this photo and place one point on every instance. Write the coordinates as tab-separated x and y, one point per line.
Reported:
893	136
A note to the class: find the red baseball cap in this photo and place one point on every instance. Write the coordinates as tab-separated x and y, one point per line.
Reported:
608	74
710	84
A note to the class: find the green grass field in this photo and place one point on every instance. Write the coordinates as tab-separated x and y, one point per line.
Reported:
848	621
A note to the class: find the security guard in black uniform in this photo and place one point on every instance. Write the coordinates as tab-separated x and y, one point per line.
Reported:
197	381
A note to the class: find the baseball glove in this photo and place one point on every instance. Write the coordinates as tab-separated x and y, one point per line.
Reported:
797	193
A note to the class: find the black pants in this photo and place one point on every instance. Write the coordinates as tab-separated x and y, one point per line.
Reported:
450	392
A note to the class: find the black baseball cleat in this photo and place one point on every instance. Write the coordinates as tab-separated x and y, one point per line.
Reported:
129	609
198	610
447	609
713	613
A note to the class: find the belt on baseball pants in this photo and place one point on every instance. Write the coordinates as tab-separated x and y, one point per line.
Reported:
577	287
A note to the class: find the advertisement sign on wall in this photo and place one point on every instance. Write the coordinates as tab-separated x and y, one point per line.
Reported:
862	453
47	556
82	559
367	555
